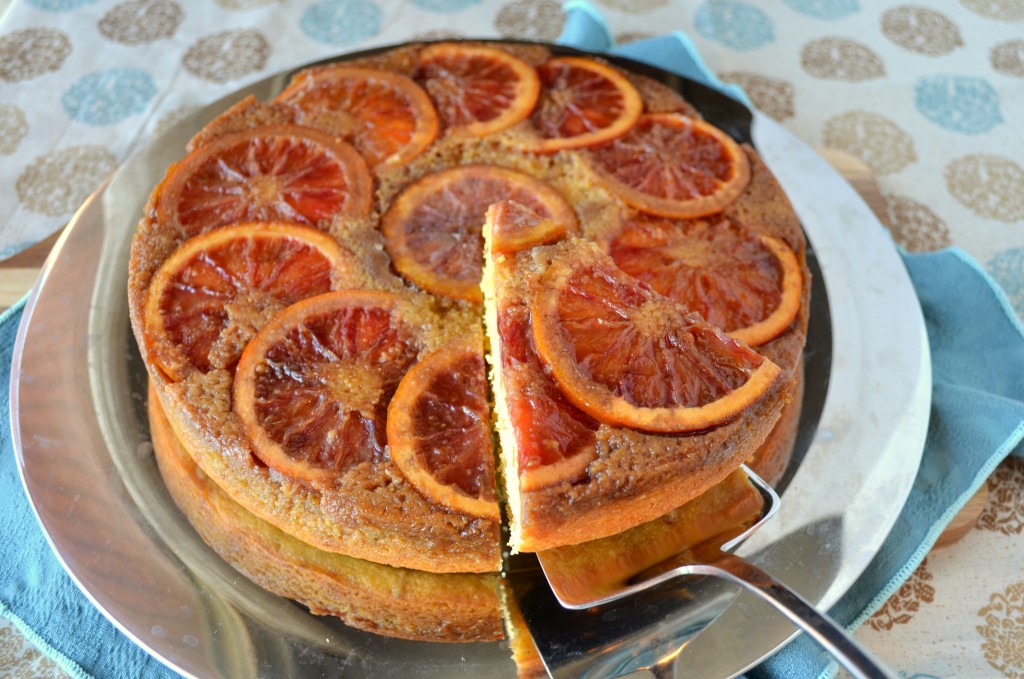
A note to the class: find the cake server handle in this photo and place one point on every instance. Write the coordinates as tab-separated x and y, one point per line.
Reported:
853	656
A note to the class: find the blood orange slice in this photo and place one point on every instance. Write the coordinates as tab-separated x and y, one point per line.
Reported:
515	227
582	102
477	90
385	115
216	290
630	357
312	387
439	431
433	230
552	440
282	173
744	283
555	440
674	166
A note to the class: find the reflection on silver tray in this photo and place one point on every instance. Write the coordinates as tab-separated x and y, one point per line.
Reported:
81	435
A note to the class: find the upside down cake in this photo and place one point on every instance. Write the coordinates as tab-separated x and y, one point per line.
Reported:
334	343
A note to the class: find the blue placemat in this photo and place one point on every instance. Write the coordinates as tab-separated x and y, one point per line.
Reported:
36	593
977	419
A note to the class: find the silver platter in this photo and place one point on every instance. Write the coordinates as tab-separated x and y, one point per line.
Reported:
82	441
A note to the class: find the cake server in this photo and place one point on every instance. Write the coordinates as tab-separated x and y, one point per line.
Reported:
587	626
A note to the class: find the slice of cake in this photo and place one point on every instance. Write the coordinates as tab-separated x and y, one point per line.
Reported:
613	404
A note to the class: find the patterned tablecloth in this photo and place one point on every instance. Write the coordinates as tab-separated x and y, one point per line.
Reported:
932	99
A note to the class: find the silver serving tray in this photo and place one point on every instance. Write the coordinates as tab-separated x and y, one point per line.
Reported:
78	390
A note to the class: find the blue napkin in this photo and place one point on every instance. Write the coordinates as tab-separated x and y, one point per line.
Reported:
977	413
36	593
977	419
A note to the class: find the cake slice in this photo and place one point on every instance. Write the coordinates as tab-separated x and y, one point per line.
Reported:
613	404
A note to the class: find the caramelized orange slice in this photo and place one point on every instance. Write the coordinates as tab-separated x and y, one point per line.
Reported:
385	115
282	173
630	357
553	440
583	102
673	166
477	90
439	431
312	387
746	284
433	230
515	227
214	292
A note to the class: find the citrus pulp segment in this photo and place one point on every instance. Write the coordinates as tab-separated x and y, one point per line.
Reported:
312	388
385	115
477	90
282	173
630	357
748	285
673	166
439	431
433	229
217	289
582	102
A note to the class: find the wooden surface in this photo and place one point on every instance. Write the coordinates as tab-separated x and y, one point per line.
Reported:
18	274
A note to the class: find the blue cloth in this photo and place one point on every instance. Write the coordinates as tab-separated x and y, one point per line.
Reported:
36	594
977	413
977	419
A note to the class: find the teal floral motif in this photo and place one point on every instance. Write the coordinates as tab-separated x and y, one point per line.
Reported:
1007	268
734	24
960	103
59	5
109	96
342	22
445	6
825	9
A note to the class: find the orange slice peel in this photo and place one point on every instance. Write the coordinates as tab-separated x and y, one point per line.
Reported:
439	432
630	357
311	389
281	173
214	292
514	227
747	284
583	102
385	115
477	90
433	231
791	292
672	165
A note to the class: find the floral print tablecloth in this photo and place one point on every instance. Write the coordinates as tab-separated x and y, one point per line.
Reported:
929	95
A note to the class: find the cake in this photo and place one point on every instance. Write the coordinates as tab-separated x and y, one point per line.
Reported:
396	602
307	287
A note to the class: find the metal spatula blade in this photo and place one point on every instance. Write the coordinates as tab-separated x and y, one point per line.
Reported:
616	622
577	584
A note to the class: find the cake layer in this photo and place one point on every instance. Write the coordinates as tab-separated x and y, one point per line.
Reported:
397	602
